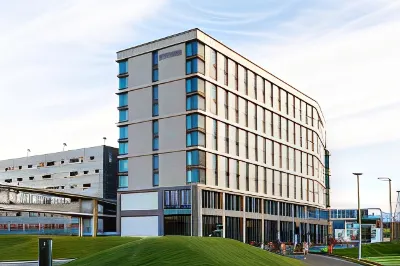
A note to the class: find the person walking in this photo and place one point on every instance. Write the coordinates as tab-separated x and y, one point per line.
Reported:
305	249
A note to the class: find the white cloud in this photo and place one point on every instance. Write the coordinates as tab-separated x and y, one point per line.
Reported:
58	71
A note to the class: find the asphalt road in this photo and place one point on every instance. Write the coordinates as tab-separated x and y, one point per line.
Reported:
318	260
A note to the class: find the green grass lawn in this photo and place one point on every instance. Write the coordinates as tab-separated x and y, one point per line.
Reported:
15	247
177	250
383	253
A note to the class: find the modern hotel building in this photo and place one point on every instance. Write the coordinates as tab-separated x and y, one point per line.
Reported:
209	139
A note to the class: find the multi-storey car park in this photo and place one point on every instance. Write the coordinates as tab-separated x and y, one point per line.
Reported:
210	140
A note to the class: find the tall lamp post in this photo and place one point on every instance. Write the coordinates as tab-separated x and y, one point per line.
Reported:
359	213
104	140
27	153
64	145
390	201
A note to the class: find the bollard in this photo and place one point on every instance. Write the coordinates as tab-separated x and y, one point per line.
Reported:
45	252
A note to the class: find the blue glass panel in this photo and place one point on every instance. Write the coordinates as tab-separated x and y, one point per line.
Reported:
155	74
156	179
155	109
192	102
123	165
188	85
155	162
155	58
189	50
123	99
123	83
123	67
155	144
189	67
123	132
194	65
192	158
193	176
191	85
123	148
194	48
155	127
155	92
123	115
123	181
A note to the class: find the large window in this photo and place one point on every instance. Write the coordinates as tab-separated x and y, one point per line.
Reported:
195	102
195	121
195	85
194	65
194	49
195	57
195	175
195	158
123	148
156	181
123	115
123	166
177	199
123	100
155	100
123	181
195	138
123	132
123	83
123	67
155	66
155	135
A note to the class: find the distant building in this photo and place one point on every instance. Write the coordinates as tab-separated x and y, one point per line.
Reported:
212	144
88	171
346	227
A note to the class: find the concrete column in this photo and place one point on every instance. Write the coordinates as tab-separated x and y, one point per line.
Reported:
223	214
95	218
80	227
316	233
293	225
244	219
278	234
118	227
262	222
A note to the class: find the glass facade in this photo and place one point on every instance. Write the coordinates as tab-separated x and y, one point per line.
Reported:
123	132
123	166
123	115
123	148
123	67
123	83
123	100
123	181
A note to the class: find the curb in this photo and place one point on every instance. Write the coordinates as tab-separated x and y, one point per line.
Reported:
361	262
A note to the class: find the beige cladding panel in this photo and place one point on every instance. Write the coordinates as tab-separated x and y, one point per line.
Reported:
140	139
173	66
139	68
172	97
172	169
140	173
172	132
140	104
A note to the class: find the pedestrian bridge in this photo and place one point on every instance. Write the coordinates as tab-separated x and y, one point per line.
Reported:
26	199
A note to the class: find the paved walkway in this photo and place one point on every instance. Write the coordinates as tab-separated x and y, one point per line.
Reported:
32	263
319	260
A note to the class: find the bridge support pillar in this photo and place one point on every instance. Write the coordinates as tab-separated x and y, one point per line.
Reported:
95	218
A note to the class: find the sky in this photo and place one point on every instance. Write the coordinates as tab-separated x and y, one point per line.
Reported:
58	72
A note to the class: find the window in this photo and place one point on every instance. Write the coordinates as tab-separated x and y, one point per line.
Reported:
123	132
237	109
31	178
123	166
155	135
195	138
123	148
237	175
195	176
155	66
194	85
123	83
256	179
247	177
156	181
213	64
87	185
227	172
155	100
74	160
225	70
85	172
215	167
19	179
123	67
195	102
213	99
194	49
237	141
194	65
226	104
29	166
123	115
49	163
227	138
214	135
123	181
123	100
195	158
195	121
247	144
91	158
245	82
97	171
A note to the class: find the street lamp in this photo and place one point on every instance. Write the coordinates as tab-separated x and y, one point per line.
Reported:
27	153
64	145
104	138
359	213
390	201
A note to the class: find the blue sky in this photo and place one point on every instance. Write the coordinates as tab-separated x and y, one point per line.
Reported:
59	72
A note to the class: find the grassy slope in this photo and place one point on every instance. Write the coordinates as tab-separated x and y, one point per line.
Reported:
185	251
372	250
16	247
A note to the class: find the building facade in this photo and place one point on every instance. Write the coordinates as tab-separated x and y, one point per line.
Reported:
87	171
210	140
